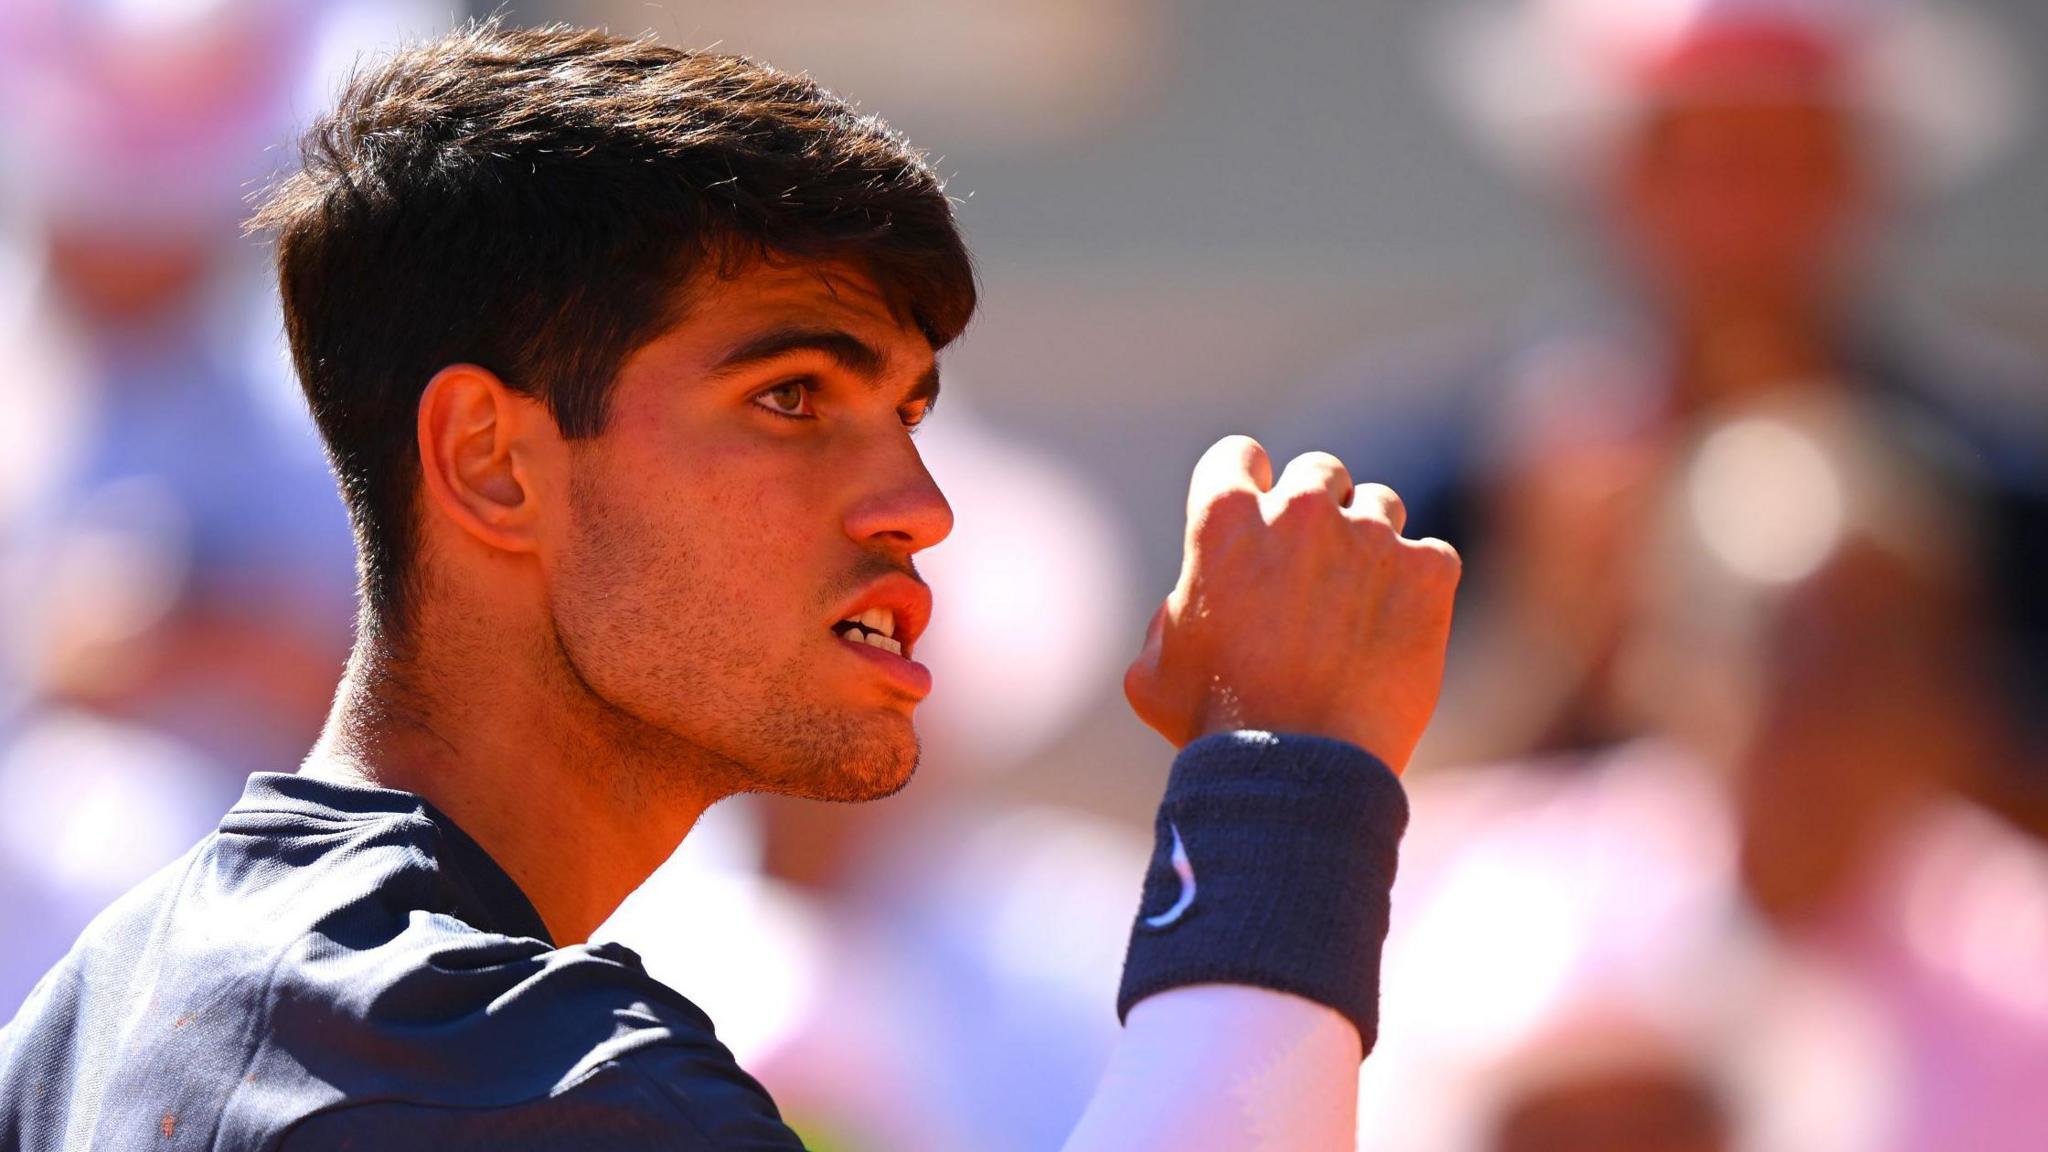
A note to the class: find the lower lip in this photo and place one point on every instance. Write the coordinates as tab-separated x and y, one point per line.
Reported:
906	675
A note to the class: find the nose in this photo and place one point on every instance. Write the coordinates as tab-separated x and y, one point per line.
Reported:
902	511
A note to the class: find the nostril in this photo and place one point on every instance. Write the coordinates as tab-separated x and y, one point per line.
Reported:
910	524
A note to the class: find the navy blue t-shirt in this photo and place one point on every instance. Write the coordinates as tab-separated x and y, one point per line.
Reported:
339	966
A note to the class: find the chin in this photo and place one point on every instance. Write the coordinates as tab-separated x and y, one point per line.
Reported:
851	762
877	768
877	783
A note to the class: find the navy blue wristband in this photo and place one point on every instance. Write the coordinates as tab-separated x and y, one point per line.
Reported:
1274	861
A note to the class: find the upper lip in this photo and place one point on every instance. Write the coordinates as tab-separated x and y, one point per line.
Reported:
906	596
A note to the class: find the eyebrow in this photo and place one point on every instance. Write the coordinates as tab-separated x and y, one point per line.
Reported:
847	350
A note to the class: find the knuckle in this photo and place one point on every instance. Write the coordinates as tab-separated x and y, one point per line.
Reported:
1438	559
1316	463
1233	507
1226	513
1381	498
1377	532
1447	555
1305	507
1240	453
1237	501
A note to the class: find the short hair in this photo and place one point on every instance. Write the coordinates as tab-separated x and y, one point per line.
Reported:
540	202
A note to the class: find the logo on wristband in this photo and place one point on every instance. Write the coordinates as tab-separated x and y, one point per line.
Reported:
1183	868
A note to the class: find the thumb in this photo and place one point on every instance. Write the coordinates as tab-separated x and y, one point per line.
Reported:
1141	680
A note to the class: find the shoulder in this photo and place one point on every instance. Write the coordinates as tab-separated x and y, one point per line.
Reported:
648	1103
411	991
306	961
462	1043
442	1014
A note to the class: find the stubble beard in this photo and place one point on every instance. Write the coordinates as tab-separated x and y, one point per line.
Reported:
850	767
687	711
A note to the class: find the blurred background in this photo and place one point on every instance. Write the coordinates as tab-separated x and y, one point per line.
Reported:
1711	331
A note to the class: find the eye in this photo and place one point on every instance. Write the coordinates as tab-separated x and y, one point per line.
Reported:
791	399
914	415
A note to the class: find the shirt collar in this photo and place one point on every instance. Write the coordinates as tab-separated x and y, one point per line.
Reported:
470	869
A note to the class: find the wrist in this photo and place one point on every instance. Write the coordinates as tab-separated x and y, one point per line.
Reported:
1375	741
1274	860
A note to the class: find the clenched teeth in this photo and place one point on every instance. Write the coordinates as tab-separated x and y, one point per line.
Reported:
881	620
854	632
876	626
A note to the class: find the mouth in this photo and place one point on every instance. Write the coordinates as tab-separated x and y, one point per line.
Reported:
875	628
884	623
888	615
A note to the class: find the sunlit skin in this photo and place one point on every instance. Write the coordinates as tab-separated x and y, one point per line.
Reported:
616	632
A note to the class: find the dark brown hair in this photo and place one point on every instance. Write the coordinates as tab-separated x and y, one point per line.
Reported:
537	202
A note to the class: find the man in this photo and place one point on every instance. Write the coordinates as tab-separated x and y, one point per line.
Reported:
1736	164
618	351
1753	546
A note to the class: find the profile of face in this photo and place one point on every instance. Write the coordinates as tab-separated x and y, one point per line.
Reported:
1752	196
733	578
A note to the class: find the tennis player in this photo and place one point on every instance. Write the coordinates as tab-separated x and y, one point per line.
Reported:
617	351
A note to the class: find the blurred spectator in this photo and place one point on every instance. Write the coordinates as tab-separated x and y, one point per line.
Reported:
1755	577
177	564
1738	163
1783	906
1868	706
1610	1085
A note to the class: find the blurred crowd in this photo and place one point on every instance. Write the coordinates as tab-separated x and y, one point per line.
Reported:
1731	834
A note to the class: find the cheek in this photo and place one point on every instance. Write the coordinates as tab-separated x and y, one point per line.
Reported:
722	550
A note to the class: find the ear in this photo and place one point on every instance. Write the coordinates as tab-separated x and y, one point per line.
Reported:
478	445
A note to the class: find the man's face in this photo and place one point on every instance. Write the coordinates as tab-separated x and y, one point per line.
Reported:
756	487
1742	197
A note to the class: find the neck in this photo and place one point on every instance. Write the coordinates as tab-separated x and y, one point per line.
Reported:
1738	348
539	776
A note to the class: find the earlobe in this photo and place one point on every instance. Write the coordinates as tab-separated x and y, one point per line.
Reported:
473	438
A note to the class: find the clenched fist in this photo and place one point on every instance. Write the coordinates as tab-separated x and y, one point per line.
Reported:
1300	608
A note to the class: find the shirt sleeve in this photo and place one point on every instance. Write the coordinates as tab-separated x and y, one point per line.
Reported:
654	1100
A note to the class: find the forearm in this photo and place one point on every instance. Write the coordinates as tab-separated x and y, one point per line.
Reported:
1227	1068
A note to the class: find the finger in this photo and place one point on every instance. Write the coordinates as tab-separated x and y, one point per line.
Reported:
1313	472
1379	502
1155	636
1234	463
1141	679
1443	554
